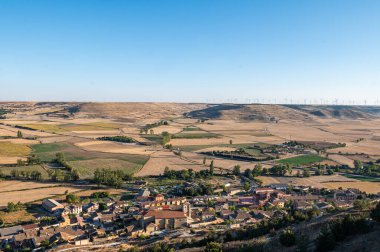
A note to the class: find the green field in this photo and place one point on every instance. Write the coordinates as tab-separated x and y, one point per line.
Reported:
8	149
47	152
302	160
254	152
191	128
153	138
86	168
362	178
195	135
88	161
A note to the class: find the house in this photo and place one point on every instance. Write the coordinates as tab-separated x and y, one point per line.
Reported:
302	205
10	231
165	219
281	187
51	205
70	233
242	216
347	195
74	209
159	197
208	216
323	205
144	193
225	214
150	228
247	201
91	207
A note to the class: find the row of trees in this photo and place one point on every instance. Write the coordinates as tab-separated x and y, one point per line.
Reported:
113	178
25	174
369	169
120	139
197	190
148	127
58	175
188	175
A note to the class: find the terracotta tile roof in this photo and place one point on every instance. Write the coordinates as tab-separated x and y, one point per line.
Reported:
165	214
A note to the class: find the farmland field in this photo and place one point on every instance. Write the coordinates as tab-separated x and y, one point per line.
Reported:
87	168
13	150
252	127
302	160
32	191
330	182
21	216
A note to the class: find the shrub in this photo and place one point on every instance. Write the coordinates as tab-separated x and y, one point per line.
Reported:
287	238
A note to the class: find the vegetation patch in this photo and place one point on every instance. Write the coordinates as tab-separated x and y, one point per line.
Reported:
191	128
41	127
195	135
9	149
120	139
24	171
302	160
361	178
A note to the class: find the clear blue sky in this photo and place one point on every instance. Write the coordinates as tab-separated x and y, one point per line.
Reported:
193	50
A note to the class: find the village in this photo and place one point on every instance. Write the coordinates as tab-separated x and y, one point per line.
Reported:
147	216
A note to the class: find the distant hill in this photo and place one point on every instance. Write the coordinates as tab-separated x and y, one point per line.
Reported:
269	112
338	111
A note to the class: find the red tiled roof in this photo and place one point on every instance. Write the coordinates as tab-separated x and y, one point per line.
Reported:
165	214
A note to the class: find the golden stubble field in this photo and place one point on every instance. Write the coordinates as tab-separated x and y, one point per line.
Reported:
331	182
15	191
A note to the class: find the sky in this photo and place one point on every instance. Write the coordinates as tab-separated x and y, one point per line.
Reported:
284	51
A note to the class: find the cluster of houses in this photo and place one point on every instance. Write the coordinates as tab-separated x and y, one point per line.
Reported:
148	215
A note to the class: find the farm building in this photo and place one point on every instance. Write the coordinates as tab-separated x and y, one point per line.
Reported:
51	205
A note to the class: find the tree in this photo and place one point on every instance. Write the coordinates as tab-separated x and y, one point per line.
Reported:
71	198
358	166
265	171
12	207
213	247
19	134
257	170
165	137
212	168
151	132
325	240
375	213
204	160
74	175
230	141
298	174
247	186
102	207
236	170
306	173
287	238
362	204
